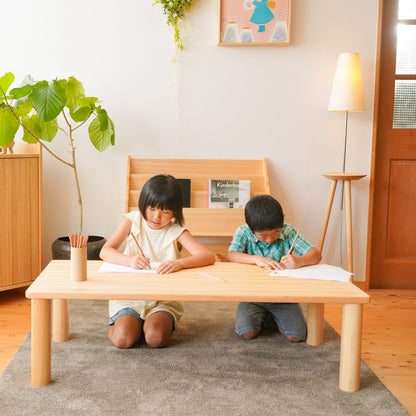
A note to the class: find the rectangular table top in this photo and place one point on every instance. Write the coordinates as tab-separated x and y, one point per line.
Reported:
241	283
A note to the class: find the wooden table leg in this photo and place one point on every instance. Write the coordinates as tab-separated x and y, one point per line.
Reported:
315	323
41	342
350	358
60	320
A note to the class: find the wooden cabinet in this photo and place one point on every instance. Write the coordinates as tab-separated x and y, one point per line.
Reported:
20	216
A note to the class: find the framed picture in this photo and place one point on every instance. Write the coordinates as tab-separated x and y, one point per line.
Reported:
254	22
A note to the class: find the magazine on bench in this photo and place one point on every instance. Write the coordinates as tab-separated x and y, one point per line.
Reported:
226	193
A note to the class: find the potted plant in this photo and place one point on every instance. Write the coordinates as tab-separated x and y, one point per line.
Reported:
44	108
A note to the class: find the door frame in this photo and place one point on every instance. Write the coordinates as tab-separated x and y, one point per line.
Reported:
366	283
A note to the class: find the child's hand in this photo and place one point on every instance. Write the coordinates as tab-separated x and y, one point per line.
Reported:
290	261
268	264
139	262
169	267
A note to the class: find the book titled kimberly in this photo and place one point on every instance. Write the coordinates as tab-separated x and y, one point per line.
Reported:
225	193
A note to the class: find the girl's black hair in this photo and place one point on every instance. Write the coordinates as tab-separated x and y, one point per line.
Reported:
163	192
263	213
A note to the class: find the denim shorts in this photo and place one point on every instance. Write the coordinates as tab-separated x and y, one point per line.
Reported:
288	316
132	312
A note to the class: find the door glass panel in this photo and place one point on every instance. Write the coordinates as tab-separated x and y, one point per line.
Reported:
406	46
407	9
404	113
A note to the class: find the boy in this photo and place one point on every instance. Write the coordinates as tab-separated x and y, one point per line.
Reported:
265	241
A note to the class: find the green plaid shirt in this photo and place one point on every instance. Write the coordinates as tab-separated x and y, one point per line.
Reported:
244	241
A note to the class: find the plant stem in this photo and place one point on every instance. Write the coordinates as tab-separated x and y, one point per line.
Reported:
74	167
42	144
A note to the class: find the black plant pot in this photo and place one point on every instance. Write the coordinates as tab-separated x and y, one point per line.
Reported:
61	248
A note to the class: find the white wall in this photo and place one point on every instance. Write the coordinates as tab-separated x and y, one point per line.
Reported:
215	102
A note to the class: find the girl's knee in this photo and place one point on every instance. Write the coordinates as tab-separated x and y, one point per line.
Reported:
156	338
158	329
122	339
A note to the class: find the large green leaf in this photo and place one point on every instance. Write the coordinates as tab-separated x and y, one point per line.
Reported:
81	114
8	126
24	89
27	122
103	118
5	81
48	99
74	91
87	101
24	106
113	136
49	130
100	138
43	131
21	92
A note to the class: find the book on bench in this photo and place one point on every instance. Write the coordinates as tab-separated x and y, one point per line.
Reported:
186	190
226	193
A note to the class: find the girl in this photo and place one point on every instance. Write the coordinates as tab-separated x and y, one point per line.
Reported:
158	228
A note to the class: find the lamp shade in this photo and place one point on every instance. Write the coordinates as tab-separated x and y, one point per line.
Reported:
347	88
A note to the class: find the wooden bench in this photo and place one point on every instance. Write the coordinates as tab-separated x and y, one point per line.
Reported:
201	221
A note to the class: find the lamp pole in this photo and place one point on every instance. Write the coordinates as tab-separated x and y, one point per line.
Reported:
345	153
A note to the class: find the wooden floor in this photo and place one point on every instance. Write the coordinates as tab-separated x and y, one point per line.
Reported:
389	336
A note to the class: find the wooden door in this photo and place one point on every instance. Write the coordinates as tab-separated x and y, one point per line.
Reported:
392	238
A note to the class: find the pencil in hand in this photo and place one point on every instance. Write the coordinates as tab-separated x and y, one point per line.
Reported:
294	241
291	247
140	249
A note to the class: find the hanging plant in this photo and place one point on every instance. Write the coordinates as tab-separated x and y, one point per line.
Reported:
175	11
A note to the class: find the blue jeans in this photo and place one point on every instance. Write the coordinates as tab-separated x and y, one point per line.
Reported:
288	316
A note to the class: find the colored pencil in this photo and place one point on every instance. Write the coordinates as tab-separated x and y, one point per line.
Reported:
211	276
78	240
294	241
138	246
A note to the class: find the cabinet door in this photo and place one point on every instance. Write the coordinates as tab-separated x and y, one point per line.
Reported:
19	221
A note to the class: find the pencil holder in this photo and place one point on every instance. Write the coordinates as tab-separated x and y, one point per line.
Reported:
78	264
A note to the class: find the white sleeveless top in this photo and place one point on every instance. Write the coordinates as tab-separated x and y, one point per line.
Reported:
158	245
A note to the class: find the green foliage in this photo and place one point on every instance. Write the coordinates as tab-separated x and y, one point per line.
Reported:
175	11
8	126
37	106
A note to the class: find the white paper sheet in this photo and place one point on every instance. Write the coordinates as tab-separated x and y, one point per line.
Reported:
317	272
116	268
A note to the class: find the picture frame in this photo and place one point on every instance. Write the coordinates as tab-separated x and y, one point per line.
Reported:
254	22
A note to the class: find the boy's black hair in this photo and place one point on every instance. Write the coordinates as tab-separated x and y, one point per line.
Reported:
163	192
263	213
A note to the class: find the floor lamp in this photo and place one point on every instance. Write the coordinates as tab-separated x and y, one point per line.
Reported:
346	96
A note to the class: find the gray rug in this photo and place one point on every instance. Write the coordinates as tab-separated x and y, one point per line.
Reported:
207	370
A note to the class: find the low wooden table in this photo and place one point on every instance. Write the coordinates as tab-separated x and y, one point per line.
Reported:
242	283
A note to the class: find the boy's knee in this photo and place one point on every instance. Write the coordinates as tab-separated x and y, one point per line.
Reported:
251	334
293	339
